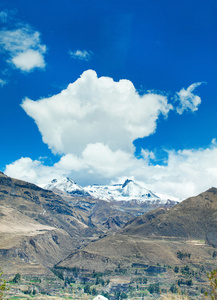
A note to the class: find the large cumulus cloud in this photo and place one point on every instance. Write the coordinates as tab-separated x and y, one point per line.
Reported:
96	110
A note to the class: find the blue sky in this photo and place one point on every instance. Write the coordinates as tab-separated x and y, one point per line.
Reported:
166	51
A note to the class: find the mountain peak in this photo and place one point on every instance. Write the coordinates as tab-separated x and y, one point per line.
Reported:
127	181
128	191
67	185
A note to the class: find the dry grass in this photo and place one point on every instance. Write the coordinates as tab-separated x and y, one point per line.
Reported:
170	296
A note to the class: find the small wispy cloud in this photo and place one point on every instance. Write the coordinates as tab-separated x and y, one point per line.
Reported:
81	54
187	99
24	48
3	16
3	82
7	16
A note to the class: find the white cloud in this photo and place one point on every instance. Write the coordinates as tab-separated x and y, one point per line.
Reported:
188	100
102	160
24	47
71	162
81	54
147	155
96	110
29	60
186	173
33	171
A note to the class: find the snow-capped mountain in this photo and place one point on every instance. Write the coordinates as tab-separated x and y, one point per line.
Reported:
128	191
68	186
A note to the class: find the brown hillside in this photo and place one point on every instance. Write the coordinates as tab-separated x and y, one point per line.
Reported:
195	217
157	237
125	251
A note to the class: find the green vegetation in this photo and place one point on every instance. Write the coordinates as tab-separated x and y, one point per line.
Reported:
135	282
58	273
154	288
16	278
185	282
120	295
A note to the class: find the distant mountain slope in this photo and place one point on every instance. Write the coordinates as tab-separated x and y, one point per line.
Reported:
195	217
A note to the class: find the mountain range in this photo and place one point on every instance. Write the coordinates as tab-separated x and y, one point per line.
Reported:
40	229
129	190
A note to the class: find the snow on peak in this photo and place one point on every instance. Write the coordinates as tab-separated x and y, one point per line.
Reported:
66	185
127	191
133	189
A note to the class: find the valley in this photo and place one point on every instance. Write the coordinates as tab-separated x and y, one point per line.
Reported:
70	246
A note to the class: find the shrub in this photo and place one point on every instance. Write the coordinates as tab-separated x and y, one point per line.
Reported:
185	282
174	289
181	255
154	288
94	292
212	276
2	286
87	289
